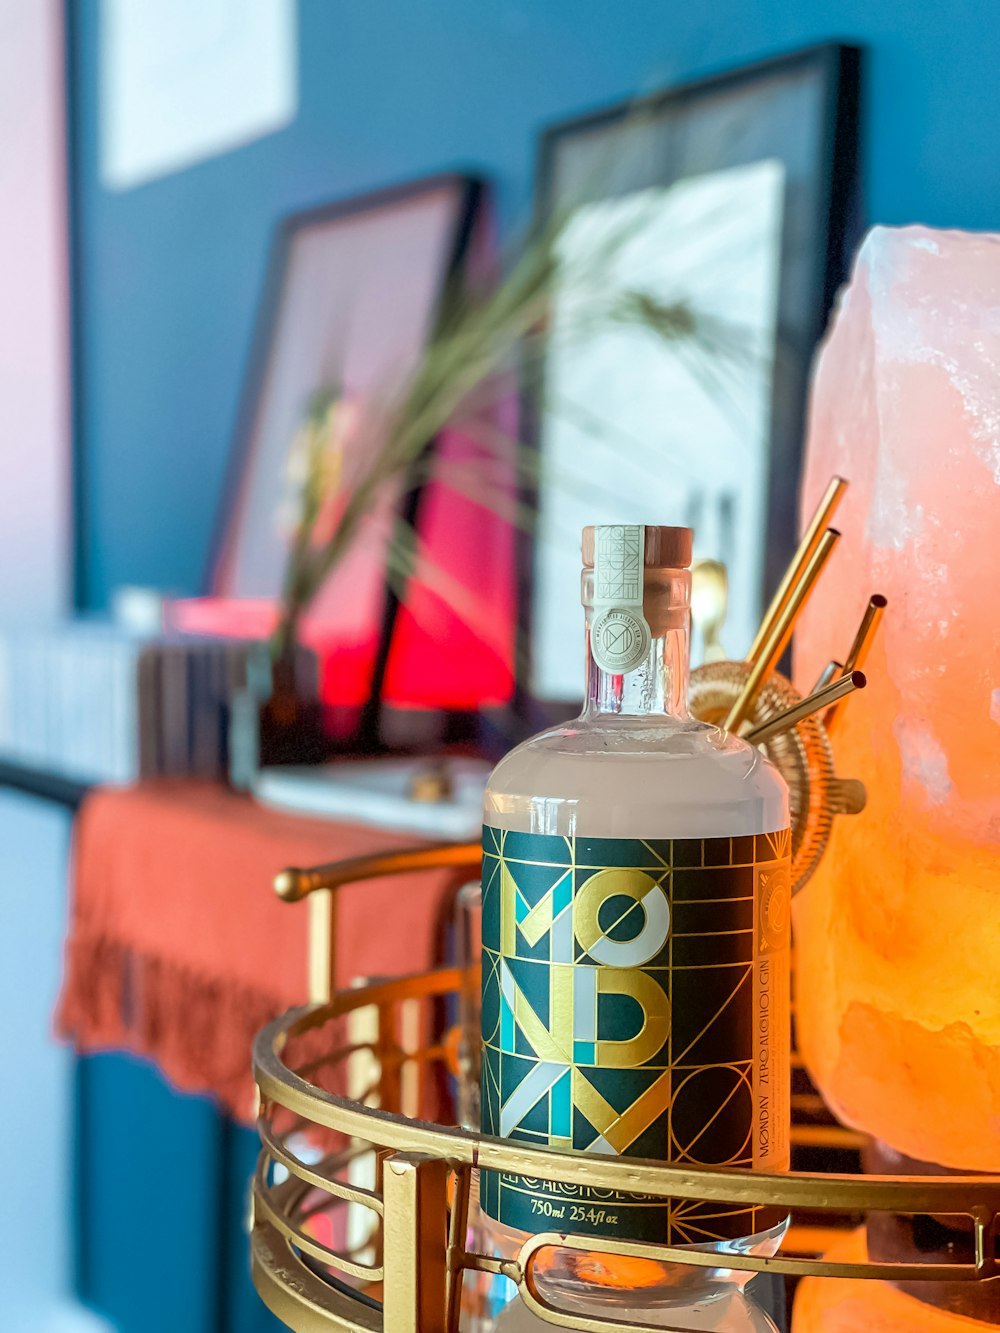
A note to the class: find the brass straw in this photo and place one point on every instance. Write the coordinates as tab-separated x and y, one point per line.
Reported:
866	632
794	572
781	630
862	642
812	703
830	672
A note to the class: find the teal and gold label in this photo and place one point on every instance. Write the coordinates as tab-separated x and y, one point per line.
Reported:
636	1002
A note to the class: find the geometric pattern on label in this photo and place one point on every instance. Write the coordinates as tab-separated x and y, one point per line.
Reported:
619	995
618	561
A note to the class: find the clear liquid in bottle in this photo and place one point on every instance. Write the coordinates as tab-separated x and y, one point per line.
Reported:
635	961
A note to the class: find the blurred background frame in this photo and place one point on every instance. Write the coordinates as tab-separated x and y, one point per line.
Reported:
353	292
737	195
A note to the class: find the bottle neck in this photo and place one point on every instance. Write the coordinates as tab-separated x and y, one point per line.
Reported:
658	685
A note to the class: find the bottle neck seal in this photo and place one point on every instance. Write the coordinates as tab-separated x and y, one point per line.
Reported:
638	653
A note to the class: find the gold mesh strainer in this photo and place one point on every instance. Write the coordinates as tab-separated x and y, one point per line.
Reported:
802	755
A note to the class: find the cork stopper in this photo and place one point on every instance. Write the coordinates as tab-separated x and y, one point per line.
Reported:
666	548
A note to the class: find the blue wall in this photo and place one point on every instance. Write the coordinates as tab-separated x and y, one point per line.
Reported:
169	273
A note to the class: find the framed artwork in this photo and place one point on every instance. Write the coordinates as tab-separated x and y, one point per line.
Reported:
352	295
731	199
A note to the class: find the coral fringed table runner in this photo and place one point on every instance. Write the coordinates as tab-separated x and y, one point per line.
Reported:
178	949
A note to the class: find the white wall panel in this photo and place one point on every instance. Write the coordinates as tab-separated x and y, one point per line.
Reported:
34	319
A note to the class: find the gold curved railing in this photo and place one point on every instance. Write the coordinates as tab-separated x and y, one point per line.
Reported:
333	1249
318	885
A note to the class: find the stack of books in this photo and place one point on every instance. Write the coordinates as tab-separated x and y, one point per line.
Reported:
96	702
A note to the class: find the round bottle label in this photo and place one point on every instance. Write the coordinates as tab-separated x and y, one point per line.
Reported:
619	639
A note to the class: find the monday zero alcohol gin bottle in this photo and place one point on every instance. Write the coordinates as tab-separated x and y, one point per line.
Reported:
635	915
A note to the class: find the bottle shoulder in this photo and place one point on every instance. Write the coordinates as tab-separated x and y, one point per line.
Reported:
647	744
666	777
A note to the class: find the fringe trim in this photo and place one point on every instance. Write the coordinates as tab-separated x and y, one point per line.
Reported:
199	1032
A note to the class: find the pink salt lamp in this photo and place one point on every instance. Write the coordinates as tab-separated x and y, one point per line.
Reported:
898	933
854	1305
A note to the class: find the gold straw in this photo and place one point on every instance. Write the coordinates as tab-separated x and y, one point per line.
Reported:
810	540
781	630
862	642
866	632
812	703
830	672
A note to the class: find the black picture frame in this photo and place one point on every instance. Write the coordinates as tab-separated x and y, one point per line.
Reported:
822	225
470	196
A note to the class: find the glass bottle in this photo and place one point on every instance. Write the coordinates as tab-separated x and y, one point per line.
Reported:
635	948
